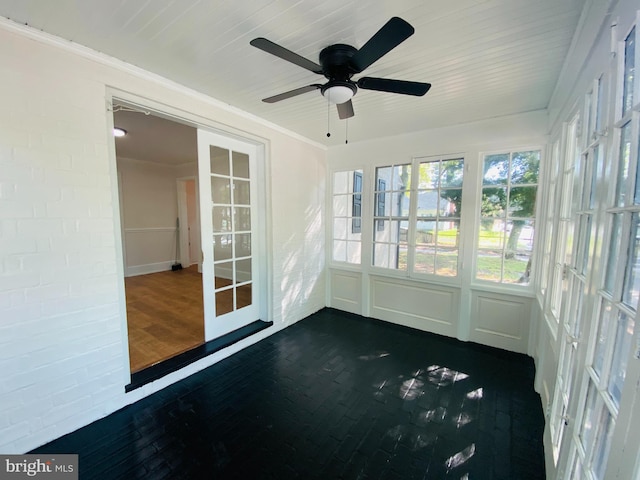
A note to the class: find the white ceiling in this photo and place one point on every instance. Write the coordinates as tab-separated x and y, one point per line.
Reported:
484	58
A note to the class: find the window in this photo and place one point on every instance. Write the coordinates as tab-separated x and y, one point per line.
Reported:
347	216
417	217
507	213
390	246
356	221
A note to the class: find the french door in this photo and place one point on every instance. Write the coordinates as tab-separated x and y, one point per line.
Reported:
228	218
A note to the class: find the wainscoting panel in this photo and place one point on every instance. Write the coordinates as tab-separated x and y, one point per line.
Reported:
500	320
417	305
346	291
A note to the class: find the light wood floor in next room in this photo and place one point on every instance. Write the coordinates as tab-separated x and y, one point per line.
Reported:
164	315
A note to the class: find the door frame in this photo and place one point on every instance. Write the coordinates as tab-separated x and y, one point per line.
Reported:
183	220
263	221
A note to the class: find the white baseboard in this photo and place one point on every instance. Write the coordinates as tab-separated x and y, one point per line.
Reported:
148	268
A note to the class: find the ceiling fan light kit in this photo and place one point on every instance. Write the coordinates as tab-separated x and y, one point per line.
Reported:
339	62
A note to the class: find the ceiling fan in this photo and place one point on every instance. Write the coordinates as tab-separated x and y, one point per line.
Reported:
339	62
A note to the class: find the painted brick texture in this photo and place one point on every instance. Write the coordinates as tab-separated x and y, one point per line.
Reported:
63	349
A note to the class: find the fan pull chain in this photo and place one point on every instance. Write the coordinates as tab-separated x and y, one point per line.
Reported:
328	116
346	131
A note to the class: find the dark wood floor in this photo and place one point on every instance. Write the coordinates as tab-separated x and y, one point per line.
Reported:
333	396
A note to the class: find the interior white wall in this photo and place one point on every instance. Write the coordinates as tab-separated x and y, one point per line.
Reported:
63	354
491	314
148	212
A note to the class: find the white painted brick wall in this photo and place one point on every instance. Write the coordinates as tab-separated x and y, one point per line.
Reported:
63	350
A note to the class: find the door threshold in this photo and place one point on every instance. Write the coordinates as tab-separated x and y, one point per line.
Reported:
160	369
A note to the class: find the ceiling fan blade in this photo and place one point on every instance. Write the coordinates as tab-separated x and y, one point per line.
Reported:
291	93
345	110
281	52
392	34
394	86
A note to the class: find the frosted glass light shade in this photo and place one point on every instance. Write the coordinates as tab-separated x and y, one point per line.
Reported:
338	94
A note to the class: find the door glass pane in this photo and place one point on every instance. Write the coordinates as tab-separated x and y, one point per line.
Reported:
614	249
240	165
242	218
631	287
241	192
588	418
601	340
224	274
231	216
623	164
243	270
243	296
629	71
243	244
622	345
220	190
224	302
222	247
603	443
219	160
221	219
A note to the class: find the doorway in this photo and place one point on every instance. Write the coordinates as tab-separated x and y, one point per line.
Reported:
157	179
193	241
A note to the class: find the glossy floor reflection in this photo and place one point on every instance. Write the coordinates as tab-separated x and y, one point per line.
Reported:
334	396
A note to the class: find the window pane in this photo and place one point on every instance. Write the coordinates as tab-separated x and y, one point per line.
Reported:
425	258
623	164
447	262
631	287
489	265
347	216
614	249
496	169
448	233
381	256
603	443
622	345
427	203
588	418
382	204
629	71
447	254
340	183
450	202
601	340
494	202
429	175
425	232
492	234
525	167
451	173
522	201
399	204
387	231
340	205
354	252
